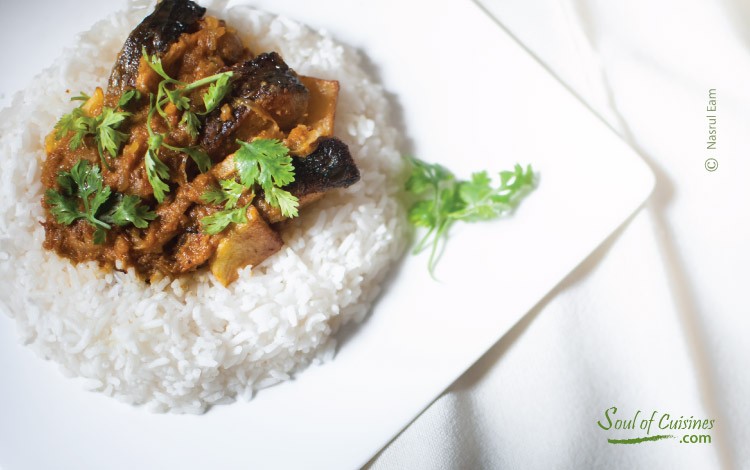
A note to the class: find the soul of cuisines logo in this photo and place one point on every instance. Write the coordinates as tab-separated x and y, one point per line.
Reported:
639	426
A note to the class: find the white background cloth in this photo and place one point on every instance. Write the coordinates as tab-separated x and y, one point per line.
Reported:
657	318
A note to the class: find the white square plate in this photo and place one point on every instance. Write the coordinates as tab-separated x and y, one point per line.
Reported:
470	98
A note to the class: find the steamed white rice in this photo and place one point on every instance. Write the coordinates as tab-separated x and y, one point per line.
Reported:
187	344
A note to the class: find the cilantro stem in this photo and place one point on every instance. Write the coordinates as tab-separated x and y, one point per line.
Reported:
423	242
432	261
204	81
102	157
86	206
95	221
149	117
160	102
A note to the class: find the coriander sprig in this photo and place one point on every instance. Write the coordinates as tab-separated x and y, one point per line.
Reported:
266	162
104	128
174	91
219	87
262	162
128	96
442	200
83	195
218	221
156	171
228	194
129	209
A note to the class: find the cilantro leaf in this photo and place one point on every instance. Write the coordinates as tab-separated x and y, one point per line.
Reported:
75	121
130	210
477	197
79	133
284	200
266	162
229	193
82	186
191	123
100	197
66	183
426	176
155	141
216	92
87	178
108	137
274	165
422	214
200	158
218	221
218	83
214	196
174	91
83	195
154	62
128	96
263	162
180	101
233	191
64	209
482	202
100	236
156	172
103	127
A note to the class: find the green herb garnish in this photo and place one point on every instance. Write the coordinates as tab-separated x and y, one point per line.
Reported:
102	127
81	96
191	122
107	136
156	170
83	195
218	221
128	96
201	158
228	194
130	210
441	199
262	162
216	92
266	162
177	95
175	92
77	122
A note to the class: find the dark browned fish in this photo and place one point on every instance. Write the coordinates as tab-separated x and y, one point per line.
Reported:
329	166
156	33
265	81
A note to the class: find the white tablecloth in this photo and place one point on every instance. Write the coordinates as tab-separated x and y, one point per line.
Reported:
656	319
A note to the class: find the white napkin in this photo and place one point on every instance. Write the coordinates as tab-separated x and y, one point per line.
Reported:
656	319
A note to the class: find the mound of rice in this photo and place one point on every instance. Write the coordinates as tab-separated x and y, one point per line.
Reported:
182	345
